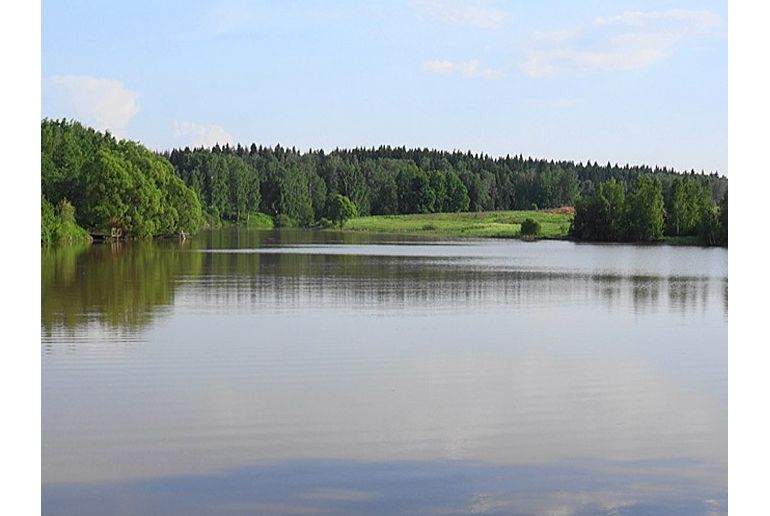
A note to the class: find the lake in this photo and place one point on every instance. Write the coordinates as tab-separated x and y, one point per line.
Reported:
295	372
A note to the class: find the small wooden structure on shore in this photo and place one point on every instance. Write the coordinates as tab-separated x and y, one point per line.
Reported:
116	233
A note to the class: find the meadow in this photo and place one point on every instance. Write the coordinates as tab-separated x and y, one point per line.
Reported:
494	224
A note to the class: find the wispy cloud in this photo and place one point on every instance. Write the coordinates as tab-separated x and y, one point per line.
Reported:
98	102
628	41
476	13
197	135
467	69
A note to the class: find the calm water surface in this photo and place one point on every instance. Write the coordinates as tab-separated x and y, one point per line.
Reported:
260	372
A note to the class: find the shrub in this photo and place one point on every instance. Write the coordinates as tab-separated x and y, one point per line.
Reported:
530	228
259	220
325	223
48	222
284	221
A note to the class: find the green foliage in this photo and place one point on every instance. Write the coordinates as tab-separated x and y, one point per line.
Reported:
438	184
530	228
284	221
713	228
389	181
325	223
112	184
66	212
602	215
609	215
497	224
644	210
415	194
48	222
723	225
457	194
117	183
58	225
295	198
259	220
685	207
339	209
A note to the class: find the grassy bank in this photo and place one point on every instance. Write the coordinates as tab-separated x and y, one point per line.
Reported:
254	220
496	224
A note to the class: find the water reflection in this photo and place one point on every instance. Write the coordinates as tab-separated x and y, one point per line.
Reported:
128	285
284	372
121	285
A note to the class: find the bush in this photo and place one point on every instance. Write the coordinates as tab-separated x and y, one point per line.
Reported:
48	221
59	226
259	220
530	228
284	221
325	223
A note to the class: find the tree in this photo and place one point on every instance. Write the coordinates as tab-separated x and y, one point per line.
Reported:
437	183
457	194
601	216
644	210
339	209
688	202
612	205
114	183
723	225
384	191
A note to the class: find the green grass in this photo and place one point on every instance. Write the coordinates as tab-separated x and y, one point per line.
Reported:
493	224
258	220
71	234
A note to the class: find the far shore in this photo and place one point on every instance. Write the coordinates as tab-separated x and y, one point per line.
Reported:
554	225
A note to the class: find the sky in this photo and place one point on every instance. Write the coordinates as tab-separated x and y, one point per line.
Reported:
638	82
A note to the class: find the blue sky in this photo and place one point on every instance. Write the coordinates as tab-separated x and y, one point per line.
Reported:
621	81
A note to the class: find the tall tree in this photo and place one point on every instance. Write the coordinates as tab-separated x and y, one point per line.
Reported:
644	210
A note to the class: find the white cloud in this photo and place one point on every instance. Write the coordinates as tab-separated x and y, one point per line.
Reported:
196	135
101	103
467	69
628	41
476	13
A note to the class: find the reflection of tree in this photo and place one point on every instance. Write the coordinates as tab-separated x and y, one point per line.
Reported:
724	297
124	285
266	279
687	293
645	290
118	284
608	287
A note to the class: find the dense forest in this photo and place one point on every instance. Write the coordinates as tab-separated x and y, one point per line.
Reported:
642	212
389	180
113	183
91	178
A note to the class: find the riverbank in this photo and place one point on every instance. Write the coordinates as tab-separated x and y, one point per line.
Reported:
554	224
256	220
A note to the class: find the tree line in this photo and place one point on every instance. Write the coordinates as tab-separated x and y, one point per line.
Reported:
643	212
396	180
110	183
103	183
